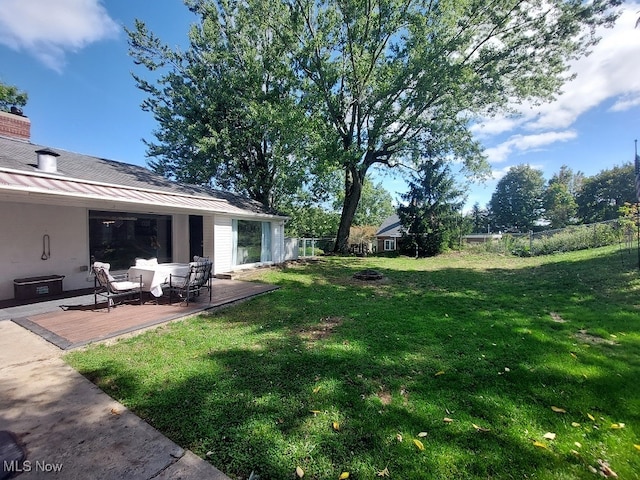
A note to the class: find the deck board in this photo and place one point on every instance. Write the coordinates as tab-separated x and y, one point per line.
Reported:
77	325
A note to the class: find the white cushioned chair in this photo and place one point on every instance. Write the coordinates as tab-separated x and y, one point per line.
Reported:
111	287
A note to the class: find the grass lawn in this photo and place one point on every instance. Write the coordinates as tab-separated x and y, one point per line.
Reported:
464	366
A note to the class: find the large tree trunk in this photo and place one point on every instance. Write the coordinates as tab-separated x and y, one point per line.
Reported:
352	189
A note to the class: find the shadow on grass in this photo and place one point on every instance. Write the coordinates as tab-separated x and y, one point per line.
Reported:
492	349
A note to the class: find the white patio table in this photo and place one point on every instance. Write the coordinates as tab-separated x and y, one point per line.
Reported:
154	276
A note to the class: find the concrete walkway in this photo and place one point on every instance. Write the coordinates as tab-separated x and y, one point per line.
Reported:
71	429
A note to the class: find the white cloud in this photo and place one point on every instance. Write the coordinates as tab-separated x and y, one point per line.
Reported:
609	73
523	143
626	102
49	30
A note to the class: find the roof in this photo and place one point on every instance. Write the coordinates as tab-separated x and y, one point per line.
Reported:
86	176
391	227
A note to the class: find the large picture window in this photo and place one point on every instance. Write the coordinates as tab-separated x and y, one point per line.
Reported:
119	238
251	242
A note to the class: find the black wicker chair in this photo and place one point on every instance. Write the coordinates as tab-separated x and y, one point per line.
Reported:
188	286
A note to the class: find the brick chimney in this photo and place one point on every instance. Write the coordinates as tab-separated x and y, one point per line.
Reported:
15	125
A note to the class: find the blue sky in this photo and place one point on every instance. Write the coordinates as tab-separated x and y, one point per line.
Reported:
71	57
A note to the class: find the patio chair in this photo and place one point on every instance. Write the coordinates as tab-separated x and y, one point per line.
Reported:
189	286
111	287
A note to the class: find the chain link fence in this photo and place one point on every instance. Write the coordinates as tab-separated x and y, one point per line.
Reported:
575	237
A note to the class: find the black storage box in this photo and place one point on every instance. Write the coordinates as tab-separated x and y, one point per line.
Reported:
35	287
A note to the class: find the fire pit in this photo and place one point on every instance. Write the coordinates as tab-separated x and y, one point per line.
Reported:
368	275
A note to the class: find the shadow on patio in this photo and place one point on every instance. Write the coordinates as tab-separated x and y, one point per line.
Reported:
73	322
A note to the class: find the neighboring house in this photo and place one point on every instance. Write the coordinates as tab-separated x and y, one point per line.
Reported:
388	234
60	211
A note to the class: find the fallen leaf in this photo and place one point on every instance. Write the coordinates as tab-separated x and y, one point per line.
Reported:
479	429
636	446
575	424
299	472
447	420
336	426
115	411
549	436
343	475
574	355
507	369
577	444
441	372
591	417
575	453
422	434
399	437
605	470
558	409
316	389
418	444
617	426
540	445
383	473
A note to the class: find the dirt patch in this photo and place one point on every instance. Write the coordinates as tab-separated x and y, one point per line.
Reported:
385	397
586	337
321	330
557	318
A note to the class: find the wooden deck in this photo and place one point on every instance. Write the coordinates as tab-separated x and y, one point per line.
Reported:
73	326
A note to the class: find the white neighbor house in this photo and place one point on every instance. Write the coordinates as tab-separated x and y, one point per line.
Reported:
60	211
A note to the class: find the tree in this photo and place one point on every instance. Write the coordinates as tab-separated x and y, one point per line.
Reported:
383	80
10	96
516	204
479	218
392	77
560	207
226	108
602	195
316	212
376	204
431	215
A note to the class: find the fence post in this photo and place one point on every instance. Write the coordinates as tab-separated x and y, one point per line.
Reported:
530	242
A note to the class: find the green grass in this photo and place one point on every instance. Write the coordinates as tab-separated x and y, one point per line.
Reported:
489	340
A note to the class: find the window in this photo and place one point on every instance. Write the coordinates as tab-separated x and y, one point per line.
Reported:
389	244
119	238
251	242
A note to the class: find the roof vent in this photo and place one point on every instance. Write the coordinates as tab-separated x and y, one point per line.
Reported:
47	160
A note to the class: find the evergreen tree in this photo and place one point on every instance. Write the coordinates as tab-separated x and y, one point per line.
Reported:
479	218
431	216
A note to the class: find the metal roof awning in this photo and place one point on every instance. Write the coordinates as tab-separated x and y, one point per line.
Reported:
67	187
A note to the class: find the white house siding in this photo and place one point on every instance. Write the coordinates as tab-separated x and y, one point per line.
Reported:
21	244
277	242
207	236
223	240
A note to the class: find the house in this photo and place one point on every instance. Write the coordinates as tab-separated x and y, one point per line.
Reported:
388	234
60	211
